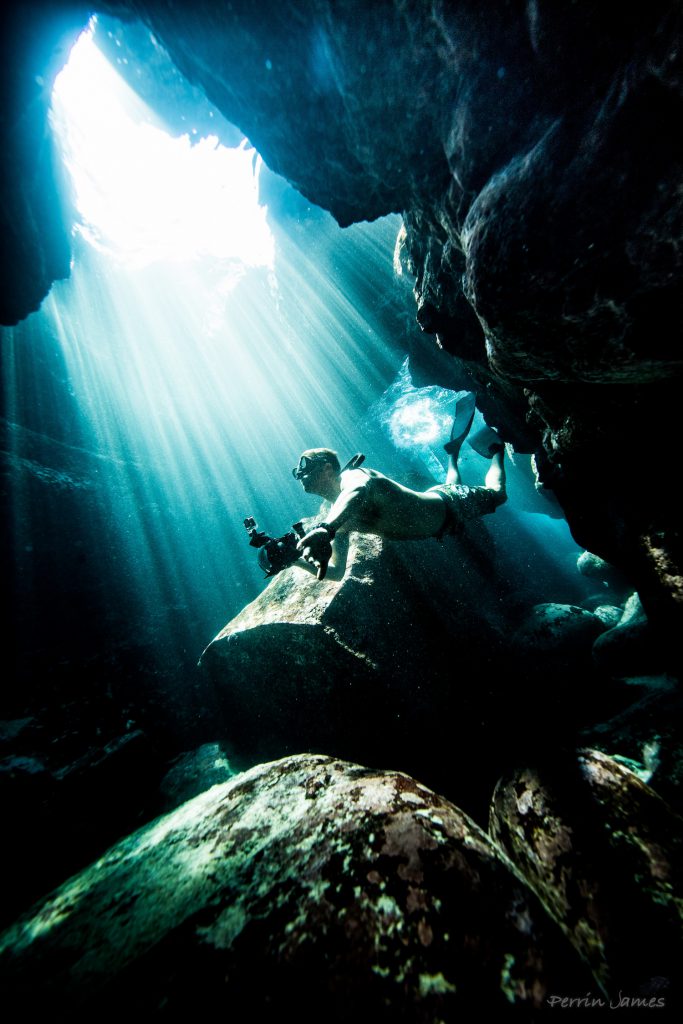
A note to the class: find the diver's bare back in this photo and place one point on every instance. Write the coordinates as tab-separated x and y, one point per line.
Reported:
390	509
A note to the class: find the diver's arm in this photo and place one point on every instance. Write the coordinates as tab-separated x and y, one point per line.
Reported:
303	563
346	512
336	567
353	501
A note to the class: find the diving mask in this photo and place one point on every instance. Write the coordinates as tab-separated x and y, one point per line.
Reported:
306	467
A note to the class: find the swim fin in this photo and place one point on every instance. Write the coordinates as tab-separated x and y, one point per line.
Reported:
486	442
465	408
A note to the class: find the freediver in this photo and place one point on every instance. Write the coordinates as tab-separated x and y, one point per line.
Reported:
366	501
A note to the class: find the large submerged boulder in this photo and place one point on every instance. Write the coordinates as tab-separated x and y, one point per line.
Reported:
559	629
392	665
307	886
414	659
603	852
429	656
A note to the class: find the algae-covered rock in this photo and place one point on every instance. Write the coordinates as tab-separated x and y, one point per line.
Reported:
609	614
308	886
603	852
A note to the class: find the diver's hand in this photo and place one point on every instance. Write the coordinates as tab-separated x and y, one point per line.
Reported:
316	548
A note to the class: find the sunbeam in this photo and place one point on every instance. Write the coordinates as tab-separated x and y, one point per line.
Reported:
202	347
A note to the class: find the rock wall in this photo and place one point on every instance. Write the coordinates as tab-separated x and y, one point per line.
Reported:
36	212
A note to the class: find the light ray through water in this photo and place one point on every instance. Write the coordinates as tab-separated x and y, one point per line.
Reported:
200	368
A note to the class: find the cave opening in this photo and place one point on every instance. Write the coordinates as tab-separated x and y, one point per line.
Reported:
143	195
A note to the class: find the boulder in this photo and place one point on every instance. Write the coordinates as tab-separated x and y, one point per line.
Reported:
307	886
609	614
603	852
395	664
647	733
630	647
194	772
597	568
558	629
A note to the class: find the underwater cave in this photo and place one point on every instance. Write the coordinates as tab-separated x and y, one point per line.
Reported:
447	778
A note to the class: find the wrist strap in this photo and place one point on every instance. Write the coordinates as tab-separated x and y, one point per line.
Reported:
326	526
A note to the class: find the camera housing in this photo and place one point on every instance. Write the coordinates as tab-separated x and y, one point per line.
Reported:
275	553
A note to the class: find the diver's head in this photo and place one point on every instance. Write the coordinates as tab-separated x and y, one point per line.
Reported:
318	470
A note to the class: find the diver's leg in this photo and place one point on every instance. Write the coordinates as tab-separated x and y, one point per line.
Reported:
453	472
495	478
487	443
462	421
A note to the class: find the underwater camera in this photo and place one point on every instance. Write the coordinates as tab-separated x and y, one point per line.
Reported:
275	553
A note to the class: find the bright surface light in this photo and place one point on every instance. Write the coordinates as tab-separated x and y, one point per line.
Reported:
415	423
415	418
143	195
